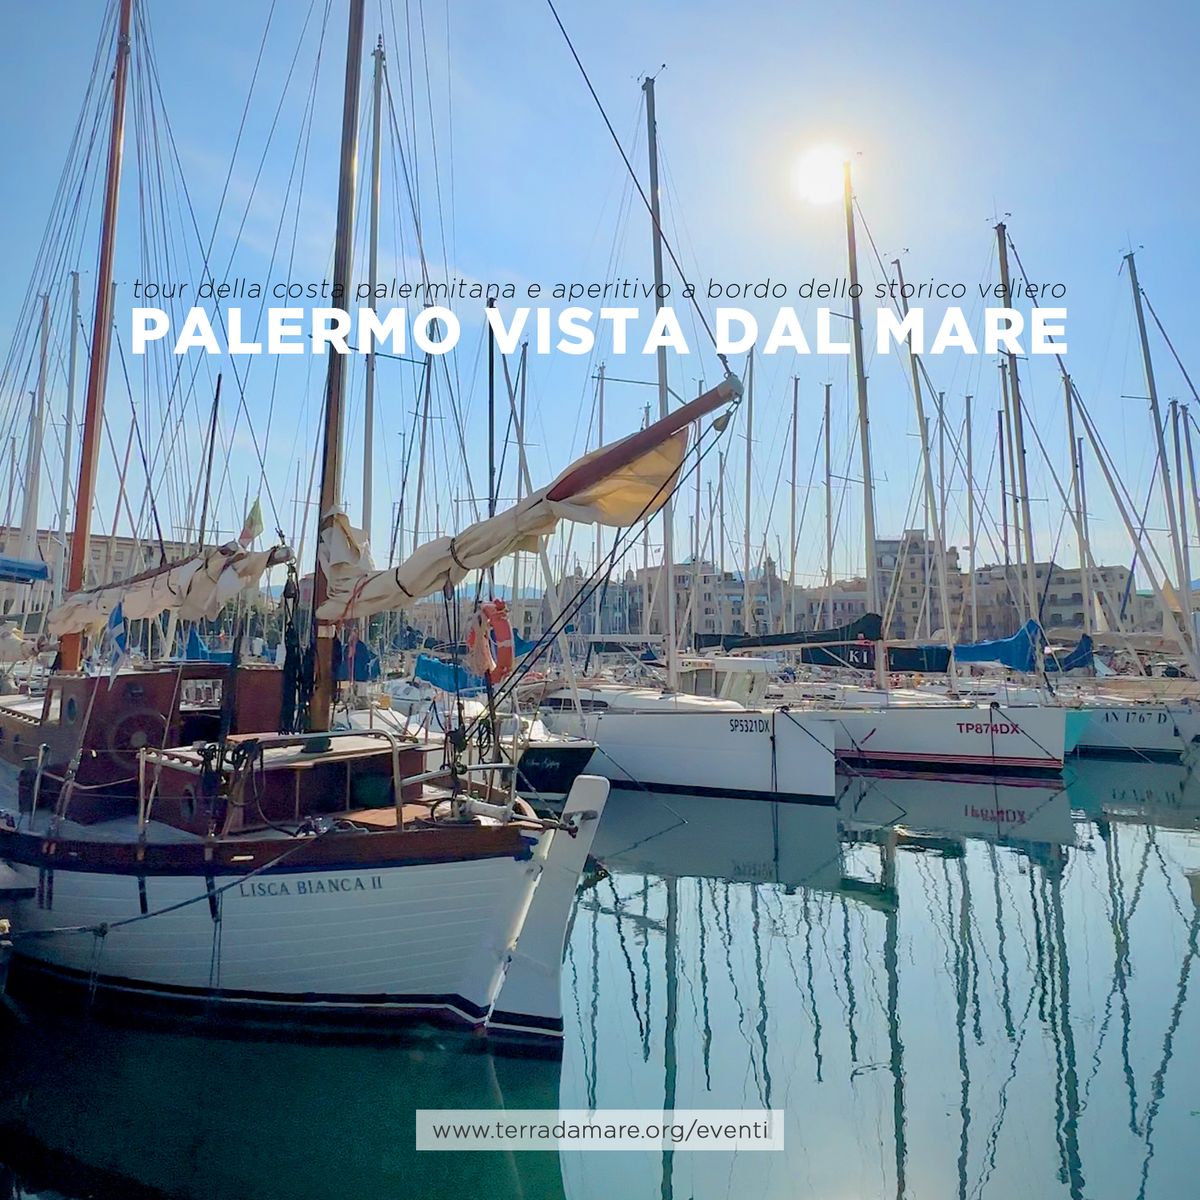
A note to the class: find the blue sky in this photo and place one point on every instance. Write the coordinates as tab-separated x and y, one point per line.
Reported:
1073	118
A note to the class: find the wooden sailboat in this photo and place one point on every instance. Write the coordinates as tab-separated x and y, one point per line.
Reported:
175	847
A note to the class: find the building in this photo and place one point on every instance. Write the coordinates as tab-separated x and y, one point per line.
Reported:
910	589
110	558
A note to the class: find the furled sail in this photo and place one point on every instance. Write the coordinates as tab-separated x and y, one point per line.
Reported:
616	485
195	589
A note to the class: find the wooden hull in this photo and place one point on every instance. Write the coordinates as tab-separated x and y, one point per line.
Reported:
336	943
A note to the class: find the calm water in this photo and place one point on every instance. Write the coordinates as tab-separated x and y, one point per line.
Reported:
953	990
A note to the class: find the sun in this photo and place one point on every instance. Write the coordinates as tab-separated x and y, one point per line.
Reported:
817	174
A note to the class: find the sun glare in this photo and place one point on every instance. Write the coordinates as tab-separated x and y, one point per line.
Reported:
818	174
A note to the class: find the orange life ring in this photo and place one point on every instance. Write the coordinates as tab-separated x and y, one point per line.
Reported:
494	615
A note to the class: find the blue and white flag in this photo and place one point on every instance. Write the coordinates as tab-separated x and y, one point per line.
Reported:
118	642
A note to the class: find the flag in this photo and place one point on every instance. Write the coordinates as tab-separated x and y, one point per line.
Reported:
253	524
118	642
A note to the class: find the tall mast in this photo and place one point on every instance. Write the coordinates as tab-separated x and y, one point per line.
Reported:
747	591
368	472
1164	463
321	707
1076	451
971	525
426	400
1187	441
599	442
792	544
93	412
1185	580
1020	473
860	380
33	448
668	508
64	487
695	597
828	511
933	507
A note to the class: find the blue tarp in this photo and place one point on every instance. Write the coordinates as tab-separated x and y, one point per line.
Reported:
1081	656
22	570
1018	653
196	650
366	662
446	675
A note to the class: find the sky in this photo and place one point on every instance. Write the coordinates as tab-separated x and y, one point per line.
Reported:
1071	122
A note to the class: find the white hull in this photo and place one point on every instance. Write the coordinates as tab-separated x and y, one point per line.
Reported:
478	941
971	738
1159	730
762	753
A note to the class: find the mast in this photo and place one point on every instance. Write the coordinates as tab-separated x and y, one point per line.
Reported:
1076	451
1185	587
64	487
747	591
1018	425
932	507
599	442
860	380
792	546
1156	416
1187	440
93	412
320	709
368	473
694	601
1003	484
426	399
971	525
668	508
828	511
33	449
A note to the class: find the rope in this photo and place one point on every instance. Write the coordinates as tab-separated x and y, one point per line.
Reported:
637	183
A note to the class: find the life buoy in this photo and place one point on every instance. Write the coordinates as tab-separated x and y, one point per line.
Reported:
490	642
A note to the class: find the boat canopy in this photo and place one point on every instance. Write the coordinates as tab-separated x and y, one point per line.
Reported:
194	589
1019	652
617	485
450	677
1081	656
22	570
868	628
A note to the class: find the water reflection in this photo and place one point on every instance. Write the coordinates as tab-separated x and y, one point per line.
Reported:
961	989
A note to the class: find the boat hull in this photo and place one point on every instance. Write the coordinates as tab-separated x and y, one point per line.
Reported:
347	946
756	754
1007	740
1159	731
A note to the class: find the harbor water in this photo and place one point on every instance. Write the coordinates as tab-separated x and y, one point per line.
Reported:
952	989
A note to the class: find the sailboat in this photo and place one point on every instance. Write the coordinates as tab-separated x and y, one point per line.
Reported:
177	844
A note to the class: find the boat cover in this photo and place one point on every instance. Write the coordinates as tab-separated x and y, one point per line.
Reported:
1018	653
22	570
1081	656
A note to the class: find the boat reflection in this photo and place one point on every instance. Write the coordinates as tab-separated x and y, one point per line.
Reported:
90	1110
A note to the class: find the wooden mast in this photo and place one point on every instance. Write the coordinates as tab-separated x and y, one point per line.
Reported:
321	707
93	412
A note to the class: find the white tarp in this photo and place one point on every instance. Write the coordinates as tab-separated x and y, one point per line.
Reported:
14	646
194	589
625	495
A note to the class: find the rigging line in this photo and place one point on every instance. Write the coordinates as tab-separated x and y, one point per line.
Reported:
1170	345
637	182
162	549
237	142
242	406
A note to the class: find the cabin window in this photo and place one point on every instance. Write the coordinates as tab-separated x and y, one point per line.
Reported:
71	710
